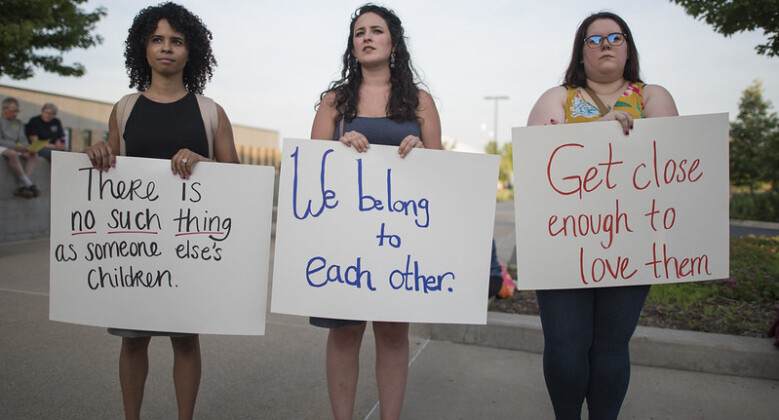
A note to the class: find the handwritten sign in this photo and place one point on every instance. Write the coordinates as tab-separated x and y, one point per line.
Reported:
137	247
597	208
372	236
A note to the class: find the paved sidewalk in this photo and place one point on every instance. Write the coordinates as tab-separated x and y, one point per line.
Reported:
51	370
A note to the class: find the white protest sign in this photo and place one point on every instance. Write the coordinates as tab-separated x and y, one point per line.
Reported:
137	247
597	208
373	236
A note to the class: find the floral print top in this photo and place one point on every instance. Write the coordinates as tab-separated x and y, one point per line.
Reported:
578	109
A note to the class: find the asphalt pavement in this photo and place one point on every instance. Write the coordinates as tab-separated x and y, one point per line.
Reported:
52	370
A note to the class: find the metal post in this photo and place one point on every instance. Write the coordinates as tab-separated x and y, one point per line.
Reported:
496	99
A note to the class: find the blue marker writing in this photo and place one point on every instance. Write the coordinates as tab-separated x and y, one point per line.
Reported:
327	195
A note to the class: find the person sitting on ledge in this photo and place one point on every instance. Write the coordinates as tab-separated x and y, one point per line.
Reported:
47	127
13	146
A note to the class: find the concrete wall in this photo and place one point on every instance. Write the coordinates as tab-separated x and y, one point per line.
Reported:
23	219
259	138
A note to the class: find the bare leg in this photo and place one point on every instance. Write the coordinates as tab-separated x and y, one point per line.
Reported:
343	368
391	366
13	162
186	373
133	369
29	165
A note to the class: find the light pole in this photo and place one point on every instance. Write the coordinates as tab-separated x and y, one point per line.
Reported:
496	99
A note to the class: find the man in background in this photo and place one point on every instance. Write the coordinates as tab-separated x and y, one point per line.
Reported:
13	147
47	127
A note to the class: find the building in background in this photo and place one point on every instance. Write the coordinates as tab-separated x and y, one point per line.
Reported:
86	122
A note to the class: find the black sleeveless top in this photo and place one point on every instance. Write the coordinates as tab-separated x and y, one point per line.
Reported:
159	130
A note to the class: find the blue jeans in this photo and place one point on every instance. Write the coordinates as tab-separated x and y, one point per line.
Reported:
586	352
45	153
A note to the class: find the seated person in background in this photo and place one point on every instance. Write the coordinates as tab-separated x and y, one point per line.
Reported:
46	127
13	145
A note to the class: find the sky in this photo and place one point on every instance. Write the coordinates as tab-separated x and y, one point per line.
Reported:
276	57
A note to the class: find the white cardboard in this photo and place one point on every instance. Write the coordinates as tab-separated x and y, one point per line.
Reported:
449	238
221	291
690	234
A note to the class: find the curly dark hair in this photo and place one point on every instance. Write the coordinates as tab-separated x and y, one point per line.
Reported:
404	92
575	75
201	63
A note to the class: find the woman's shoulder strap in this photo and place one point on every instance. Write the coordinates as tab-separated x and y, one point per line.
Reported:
123	109
210	117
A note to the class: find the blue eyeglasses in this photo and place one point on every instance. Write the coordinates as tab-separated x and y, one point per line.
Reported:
595	41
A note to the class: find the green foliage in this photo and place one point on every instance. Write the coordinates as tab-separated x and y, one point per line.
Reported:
754	269
743	304
762	206
492	148
731	16
754	277
449	145
506	194
36	33
506	171
682	294
506	164
754	146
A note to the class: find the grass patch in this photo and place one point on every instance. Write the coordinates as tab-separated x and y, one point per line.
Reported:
754	277
745	304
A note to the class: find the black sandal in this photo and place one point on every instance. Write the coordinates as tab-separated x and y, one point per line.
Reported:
24	192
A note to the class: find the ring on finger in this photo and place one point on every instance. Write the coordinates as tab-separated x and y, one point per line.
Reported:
184	161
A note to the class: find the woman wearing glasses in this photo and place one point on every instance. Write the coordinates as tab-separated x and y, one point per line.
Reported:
587	331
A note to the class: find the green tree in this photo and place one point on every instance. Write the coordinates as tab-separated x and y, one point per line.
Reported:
754	146
506	160
731	16
36	33
770	160
506	173
492	148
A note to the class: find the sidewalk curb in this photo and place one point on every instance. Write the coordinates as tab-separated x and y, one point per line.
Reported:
655	347
755	224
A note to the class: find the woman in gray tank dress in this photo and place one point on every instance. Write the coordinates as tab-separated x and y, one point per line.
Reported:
376	101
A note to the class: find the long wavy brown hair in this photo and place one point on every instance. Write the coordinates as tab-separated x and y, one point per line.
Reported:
404	92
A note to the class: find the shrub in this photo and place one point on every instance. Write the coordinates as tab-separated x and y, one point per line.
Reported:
755	206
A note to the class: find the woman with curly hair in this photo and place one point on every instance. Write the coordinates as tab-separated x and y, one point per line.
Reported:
376	101
169	60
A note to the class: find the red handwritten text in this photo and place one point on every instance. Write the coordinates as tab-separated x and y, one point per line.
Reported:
672	172
669	217
679	268
585	224
600	267
588	182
